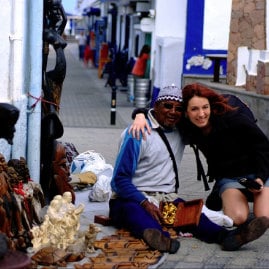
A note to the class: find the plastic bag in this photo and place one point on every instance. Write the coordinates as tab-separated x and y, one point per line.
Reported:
101	191
91	161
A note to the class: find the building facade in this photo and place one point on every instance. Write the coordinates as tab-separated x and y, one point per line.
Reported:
187	39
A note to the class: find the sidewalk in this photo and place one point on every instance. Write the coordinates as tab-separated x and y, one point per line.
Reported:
85	113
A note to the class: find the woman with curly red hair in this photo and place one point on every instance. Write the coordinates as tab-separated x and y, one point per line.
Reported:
234	147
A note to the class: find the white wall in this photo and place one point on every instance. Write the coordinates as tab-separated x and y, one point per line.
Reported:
20	73
171	18
12	45
5	22
217	16
170	27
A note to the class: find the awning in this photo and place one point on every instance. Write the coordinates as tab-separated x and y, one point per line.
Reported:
73	16
91	11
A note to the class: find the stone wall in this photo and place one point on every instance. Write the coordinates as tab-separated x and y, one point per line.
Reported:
260	82
258	103
262	85
247	28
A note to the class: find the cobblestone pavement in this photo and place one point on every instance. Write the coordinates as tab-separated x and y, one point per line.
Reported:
85	113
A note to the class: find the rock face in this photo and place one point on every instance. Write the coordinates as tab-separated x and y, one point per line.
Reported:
248	29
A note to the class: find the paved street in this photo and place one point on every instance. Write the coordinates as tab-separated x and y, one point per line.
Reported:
85	113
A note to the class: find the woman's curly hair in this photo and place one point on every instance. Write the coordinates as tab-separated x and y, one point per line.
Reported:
218	103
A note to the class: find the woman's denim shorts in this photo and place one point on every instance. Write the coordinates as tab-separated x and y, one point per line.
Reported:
232	183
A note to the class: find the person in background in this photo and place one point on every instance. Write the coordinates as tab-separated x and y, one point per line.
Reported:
144	176
82	39
88	52
88	56
140	65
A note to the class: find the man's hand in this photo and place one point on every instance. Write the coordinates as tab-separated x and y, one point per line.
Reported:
153	210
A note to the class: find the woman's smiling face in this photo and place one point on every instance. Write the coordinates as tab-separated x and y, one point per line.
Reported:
198	111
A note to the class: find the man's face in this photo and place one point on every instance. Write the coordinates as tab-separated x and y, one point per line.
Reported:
168	113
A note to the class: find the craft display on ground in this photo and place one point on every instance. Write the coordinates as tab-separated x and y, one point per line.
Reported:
121	250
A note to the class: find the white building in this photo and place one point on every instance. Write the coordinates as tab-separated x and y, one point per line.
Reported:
180	32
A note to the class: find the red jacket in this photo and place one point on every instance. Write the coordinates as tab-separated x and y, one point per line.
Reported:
140	66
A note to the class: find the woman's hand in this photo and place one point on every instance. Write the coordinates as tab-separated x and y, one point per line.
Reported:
139	124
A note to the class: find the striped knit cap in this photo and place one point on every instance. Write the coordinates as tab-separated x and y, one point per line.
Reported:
172	93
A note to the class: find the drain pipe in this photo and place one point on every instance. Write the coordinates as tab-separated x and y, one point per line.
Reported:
33	65
17	46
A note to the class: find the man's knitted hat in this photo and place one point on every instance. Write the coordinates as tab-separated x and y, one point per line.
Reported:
170	93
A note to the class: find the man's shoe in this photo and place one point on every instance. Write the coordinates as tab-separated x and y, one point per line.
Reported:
156	240
245	233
